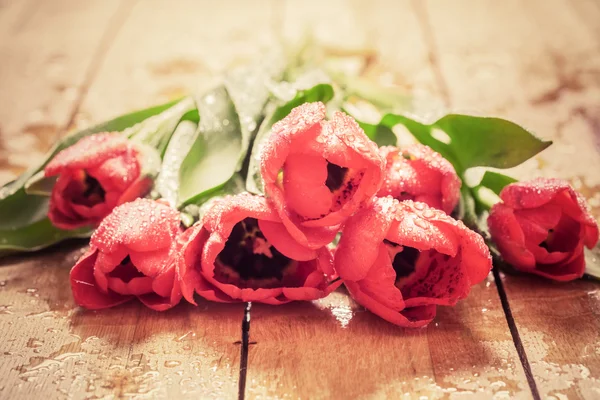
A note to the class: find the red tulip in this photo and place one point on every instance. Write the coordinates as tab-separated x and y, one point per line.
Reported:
328	170
541	227
133	253
401	260
242	252
418	173
94	176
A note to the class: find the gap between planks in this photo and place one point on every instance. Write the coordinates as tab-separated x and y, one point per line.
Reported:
423	19
514	332
244	351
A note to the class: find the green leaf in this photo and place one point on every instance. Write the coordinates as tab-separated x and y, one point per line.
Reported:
466	207
489	142
36	236
214	156
496	181
592	262
150	160
276	111
229	118
321	92
20	210
474	141
167	183
157	130
384	98
233	186
40	185
194	211
380	134
422	133
248	88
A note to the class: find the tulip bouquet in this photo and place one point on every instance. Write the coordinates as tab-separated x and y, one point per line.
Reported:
268	189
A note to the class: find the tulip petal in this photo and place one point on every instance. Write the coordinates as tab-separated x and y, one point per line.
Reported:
279	237
555	224
117	173
302	145
418	173
423	259
121	266
418	319
201	266
151	263
88	152
156	302
304	185
563	272
191	246
422	227
381	280
84	288
359	246
142	225
509	237
162	285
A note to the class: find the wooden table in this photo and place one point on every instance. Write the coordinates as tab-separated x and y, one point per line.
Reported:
67	63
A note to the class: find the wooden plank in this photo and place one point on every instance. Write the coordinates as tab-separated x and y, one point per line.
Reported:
45	58
13	15
167	50
128	351
538	64
333	348
547	82
560	328
50	346
163	51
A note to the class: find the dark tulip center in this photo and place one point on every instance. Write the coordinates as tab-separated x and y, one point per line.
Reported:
125	271
90	193
564	237
335	176
93	188
251	256
404	261
544	244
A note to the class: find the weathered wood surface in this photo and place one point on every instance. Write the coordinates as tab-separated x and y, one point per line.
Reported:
69	63
333	348
538	63
47	49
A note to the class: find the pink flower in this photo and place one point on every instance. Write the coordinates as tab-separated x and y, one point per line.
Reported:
242	252
418	173
317	173
133	253
401	260
95	175
541	227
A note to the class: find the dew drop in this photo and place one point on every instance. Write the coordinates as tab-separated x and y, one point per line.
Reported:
421	224
172	364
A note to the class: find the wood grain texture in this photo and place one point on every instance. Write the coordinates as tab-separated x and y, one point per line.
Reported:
535	62
50	348
167	50
46	49
560	328
333	348
128	352
542	70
